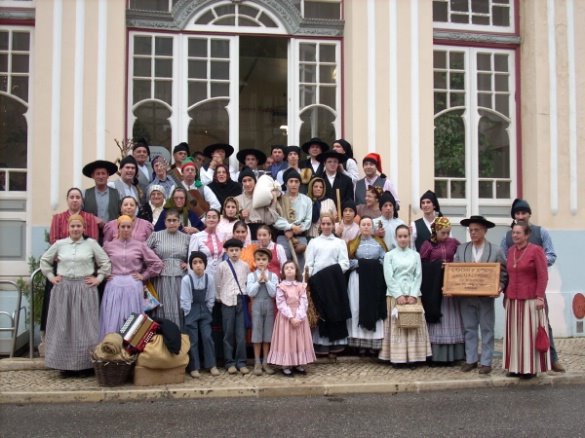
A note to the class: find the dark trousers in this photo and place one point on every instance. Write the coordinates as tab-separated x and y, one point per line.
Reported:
198	322
234	333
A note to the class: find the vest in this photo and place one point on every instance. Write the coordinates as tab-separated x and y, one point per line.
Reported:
90	203
360	189
535	236
422	233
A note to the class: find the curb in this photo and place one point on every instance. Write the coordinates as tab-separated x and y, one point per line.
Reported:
179	392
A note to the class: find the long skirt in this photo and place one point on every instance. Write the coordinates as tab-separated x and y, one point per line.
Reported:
404	345
169	294
291	346
123	295
520	354
446	337
359	336
72	325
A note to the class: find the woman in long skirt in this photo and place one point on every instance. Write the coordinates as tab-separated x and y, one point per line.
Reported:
402	271
527	280
171	246
73	323
366	254
132	263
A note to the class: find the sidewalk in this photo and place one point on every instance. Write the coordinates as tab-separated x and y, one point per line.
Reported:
27	381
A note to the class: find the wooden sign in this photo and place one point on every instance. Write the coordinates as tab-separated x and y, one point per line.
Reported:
472	279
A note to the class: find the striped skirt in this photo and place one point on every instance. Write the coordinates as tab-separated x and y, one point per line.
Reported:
72	325
520	354
169	295
404	345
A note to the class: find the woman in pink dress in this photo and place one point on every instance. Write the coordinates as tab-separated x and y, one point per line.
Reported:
141	229
292	343
132	263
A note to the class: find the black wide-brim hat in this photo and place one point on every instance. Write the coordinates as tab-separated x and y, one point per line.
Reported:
477	220
292	148
331	154
209	150
89	168
315	140
260	156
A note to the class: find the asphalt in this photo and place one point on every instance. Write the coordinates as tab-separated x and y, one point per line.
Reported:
28	381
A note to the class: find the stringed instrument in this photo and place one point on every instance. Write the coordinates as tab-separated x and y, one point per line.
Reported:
197	203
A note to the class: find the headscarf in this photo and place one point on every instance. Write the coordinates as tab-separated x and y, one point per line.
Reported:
440	223
316	202
183	212
229	188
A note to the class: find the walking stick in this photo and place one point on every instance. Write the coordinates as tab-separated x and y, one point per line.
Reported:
338	196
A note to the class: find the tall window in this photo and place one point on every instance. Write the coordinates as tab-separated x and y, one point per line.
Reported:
474	126
490	15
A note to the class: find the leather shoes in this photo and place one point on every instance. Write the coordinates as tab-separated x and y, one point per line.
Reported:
485	369
467	367
557	367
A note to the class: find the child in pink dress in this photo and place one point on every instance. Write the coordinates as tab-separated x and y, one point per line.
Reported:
292	344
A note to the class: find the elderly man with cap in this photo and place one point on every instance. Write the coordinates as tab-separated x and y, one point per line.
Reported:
190	183
479	311
252	159
372	165
385	225
335	180
127	184
217	153
521	211
254	217
180	152
101	201
421	228
278	154
141	153
161	177
295	213
312	166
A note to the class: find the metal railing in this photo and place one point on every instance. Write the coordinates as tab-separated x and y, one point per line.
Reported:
15	316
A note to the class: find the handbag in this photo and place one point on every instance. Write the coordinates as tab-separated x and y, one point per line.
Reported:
410	316
151	300
542	343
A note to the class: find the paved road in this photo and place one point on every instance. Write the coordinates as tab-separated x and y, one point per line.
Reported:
522	412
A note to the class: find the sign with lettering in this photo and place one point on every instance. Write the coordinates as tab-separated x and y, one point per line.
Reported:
472	279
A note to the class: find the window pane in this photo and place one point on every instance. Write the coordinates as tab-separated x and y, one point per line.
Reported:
439	59
307	95
142	45
503	190
502	104
450	145
198	69
484	81
3	40
163	91
456	99
458	18
220	49
317	122
3	83
19	63
501	63
440	10
20	87
307	52
248	10
197	92
326	53
13	135
482	6
152	122
328	10
17	181
486	189
440	102
327	96
456	60
220	90
163	46
501	82
459	5
307	73
484	62
441	189
494	146
207	17
458	189
220	70
484	99
21	41
3	62
327	74
226	21
142	67
500	16
483	20
440	80
225	10
197	47
457	81
209	123
163	68
141	90
266	20
244	21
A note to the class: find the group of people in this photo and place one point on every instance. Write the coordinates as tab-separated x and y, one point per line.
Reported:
323	263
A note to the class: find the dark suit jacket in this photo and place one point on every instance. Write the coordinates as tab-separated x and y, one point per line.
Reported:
491	254
341	182
306	164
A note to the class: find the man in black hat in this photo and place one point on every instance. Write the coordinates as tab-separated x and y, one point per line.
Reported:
127	184
334	180
217	153
141	153
421	228
180	152
312	166
252	159
521	211
101	201
479	311
277	152
294	218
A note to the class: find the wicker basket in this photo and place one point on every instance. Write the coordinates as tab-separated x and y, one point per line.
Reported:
112	373
410	316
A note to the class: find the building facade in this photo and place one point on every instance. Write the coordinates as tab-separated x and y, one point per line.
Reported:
476	99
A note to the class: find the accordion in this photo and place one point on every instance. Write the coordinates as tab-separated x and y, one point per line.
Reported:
137	331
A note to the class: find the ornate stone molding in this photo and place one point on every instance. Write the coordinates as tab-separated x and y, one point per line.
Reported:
488	38
185	10
17	14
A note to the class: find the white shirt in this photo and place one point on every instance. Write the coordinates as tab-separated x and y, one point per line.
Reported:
324	251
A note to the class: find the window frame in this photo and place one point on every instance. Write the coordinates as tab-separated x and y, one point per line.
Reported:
484	28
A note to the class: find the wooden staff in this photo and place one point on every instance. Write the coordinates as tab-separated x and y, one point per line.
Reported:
409	214
291	247
338	195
